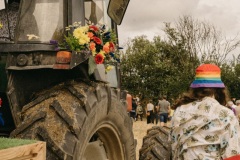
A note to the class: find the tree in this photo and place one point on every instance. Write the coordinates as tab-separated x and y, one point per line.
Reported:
155	68
201	40
231	78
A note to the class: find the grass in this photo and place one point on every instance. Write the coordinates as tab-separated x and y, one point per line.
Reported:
10	142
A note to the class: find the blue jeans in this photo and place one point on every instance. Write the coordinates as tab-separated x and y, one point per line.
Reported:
163	117
133	114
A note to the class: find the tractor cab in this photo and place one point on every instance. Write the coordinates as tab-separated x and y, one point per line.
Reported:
39	21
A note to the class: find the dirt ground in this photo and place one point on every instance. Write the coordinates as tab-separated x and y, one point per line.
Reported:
139	130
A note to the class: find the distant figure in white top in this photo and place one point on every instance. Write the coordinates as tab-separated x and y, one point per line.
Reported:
150	114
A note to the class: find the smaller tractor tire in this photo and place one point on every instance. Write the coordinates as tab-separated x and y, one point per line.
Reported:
155	144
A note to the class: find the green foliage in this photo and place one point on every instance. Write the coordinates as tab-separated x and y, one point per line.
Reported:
237	70
72	43
155	68
231	78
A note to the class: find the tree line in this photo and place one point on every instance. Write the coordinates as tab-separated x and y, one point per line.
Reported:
166	65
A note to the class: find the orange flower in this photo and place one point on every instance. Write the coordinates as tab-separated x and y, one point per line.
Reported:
92	46
90	35
99	59
111	47
106	48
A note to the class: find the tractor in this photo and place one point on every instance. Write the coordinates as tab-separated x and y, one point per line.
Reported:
80	116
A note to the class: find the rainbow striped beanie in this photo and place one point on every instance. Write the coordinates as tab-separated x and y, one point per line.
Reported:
208	76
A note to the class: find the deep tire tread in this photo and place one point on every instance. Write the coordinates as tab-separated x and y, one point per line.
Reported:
75	93
155	144
64	116
38	100
43	135
29	122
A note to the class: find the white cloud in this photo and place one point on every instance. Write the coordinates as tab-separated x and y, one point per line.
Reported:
146	17
222	14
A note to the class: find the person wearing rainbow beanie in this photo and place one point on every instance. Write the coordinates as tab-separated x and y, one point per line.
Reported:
202	127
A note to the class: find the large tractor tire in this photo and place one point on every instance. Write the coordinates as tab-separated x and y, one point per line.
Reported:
155	144
79	121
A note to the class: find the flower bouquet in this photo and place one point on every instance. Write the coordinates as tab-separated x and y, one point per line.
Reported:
95	38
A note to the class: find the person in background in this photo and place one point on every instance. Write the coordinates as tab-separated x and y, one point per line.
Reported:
164	110
170	114
150	114
155	111
133	111
137	98
157	115
237	109
139	111
202	127
231	106
234	100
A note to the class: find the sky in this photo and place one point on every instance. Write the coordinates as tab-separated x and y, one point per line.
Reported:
147	17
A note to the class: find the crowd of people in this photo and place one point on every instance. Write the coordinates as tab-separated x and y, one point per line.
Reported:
160	112
205	123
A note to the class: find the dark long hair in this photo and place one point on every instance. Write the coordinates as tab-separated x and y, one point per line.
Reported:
220	94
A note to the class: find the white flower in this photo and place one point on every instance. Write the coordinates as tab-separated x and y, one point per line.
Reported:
32	36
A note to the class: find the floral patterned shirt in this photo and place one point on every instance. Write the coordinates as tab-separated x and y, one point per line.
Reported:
204	130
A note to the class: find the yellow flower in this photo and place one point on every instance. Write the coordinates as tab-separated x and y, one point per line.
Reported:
102	53
109	68
77	32
1	25
94	53
86	38
81	34
85	29
83	39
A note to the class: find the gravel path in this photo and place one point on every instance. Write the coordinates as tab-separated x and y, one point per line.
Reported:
140	130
